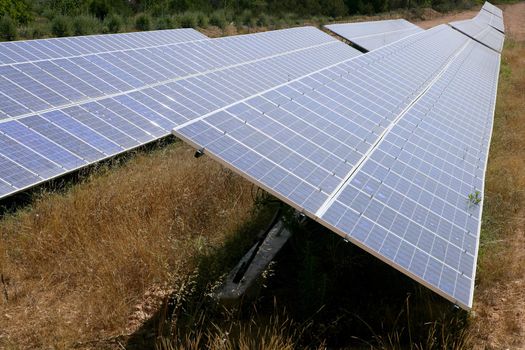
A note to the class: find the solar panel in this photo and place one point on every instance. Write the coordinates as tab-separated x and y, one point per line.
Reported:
59	114
45	49
487	6
372	35
383	149
491	19
481	32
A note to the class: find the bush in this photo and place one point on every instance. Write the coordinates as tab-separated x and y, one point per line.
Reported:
188	20
84	25
219	20
202	20
8	30
143	22
246	17
34	31
37	32
61	26
99	9
263	20
17	10
113	23
164	22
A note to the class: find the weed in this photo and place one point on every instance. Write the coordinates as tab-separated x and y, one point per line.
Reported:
474	198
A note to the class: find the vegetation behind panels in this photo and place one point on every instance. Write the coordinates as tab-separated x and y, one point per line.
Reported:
25	19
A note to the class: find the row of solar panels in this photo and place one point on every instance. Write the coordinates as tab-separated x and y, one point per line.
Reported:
59	114
352	140
487	28
373	35
36	50
383	149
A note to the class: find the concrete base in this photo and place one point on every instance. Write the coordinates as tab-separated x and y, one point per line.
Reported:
232	292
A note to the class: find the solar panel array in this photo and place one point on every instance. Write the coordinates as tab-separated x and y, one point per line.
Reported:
491	19
487	6
481	32
45	49
372	35
61	113
387	149
383	149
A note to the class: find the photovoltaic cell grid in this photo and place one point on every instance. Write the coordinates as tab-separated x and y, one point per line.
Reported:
481	32
378	149
61	114
491	19
409	201
487	6
45	49
372	35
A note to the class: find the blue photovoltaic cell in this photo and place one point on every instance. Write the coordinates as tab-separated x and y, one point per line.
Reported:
15	175
81	131
23	156
62	138
103	128
384	149
490	19
94	97
487	6
414	186
41	145
373	35
481	32
37	50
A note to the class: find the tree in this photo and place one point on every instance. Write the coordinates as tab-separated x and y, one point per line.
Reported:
99	9
17	10
7	29
335	8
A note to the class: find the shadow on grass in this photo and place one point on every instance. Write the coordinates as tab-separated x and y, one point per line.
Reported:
329	292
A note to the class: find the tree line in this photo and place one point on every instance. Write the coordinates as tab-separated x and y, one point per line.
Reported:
42	18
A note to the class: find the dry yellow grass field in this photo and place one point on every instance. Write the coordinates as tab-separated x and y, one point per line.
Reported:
93	262
75	264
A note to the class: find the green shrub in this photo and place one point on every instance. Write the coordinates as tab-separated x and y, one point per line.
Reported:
8	30
263	20
143	22
246	17
188	20
84	25
113	23
37	32
99	9
17	10
61	26
202	20
218	19
49	13
164	22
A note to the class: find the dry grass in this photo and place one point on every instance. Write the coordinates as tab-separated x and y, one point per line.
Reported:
76	264
500	293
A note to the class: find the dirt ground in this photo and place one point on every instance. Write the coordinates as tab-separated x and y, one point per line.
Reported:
499	309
